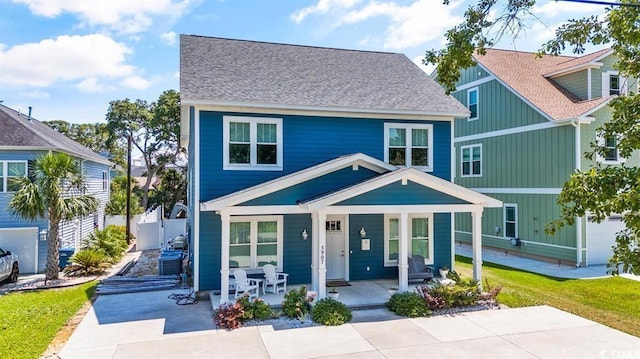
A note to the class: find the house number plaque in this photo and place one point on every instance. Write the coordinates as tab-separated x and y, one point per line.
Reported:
322	254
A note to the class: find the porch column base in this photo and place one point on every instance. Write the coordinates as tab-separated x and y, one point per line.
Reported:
314	278
403	280
224	286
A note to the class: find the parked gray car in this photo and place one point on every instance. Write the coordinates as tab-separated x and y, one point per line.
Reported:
9	268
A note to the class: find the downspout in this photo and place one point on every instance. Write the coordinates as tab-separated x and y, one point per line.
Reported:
578	159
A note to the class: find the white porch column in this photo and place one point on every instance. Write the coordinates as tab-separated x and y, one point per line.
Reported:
314	251
403	252
322	254
225	234
476	235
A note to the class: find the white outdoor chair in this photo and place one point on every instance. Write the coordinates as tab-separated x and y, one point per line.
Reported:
277	281
246	285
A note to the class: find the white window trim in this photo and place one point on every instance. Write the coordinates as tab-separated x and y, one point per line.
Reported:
605	83
470	147
5	172
253	134
504	219
600	141
387	217
408	127
253	252
477	103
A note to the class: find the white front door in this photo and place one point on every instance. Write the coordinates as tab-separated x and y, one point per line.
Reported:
335	247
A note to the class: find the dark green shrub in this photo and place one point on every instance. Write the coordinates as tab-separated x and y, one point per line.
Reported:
296	304
329	311
432	301
111	242
229	315
461	294
87	262
408	304
258	309
246	307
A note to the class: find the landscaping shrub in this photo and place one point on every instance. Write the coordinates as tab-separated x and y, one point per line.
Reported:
296	304
258	309
111	241
490	293
408	304
229	315
432	301
329	311
87	262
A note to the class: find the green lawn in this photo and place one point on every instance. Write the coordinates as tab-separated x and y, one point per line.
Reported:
610	301
30	320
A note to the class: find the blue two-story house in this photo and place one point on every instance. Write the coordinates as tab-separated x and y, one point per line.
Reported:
327	163
22	139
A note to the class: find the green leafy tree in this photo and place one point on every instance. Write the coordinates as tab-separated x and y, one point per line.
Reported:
118	199
172	189
154	129
53	188
601	190
94	136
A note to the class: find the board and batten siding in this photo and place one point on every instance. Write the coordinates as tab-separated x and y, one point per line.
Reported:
494	98
536	159
534	212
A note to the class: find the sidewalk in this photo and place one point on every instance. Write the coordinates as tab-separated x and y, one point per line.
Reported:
149	325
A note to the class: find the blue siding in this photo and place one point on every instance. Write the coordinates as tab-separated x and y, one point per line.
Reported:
307	141
396	193
317	186
442	240
210	247
296	251
359	260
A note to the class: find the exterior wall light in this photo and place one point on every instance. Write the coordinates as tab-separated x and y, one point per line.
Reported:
43	235
363	233
305	235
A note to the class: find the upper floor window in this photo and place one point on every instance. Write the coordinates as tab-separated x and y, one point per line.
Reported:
614	85
472	103
105	180
471	160
612	154
510	220
409	145
10	171
252	143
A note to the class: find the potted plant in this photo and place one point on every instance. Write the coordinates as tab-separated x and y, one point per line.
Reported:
393	290
333	293
444	270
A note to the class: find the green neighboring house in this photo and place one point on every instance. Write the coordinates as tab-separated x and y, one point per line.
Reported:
532	119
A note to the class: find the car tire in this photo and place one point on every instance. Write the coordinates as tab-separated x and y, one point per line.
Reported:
15	271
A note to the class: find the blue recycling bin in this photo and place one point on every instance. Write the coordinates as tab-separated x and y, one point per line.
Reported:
65	254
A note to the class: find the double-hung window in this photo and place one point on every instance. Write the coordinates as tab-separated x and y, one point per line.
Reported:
614	85
612	154
420	237
472	103
105	181
255	241
511	220
409	145
471	160
10	171
252	143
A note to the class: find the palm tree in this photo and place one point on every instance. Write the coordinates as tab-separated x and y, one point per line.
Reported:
54	187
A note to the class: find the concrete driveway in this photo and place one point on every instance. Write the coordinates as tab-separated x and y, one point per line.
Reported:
149	325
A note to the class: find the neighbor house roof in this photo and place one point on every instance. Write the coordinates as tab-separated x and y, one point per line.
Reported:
251	73
18	131
525	74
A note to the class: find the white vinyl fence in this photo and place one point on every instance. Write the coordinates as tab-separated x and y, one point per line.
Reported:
154	232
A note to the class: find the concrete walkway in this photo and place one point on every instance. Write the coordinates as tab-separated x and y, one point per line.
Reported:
149	325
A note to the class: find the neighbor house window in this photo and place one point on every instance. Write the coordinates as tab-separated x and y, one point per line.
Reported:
420	238
105	180
472	103
612	154
409	145
10	171
252	143
614	85
511	220
255	241
471	160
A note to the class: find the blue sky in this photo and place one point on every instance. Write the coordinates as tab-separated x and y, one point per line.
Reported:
69	58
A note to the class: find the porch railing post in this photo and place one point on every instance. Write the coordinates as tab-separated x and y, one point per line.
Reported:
314	251
403	253
224	265
322	255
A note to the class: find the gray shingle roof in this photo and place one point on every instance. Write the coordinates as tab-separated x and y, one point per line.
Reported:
17	131
236	71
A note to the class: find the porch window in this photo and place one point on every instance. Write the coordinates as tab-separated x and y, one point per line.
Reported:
252	143
255	241
511	220
10	171
409	145
420	237
471	161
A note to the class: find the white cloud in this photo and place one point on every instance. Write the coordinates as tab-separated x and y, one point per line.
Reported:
136	82
65	58
169	38
36	94
91	84
322	7
124	16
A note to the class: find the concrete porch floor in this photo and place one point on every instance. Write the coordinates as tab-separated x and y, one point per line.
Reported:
359	295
